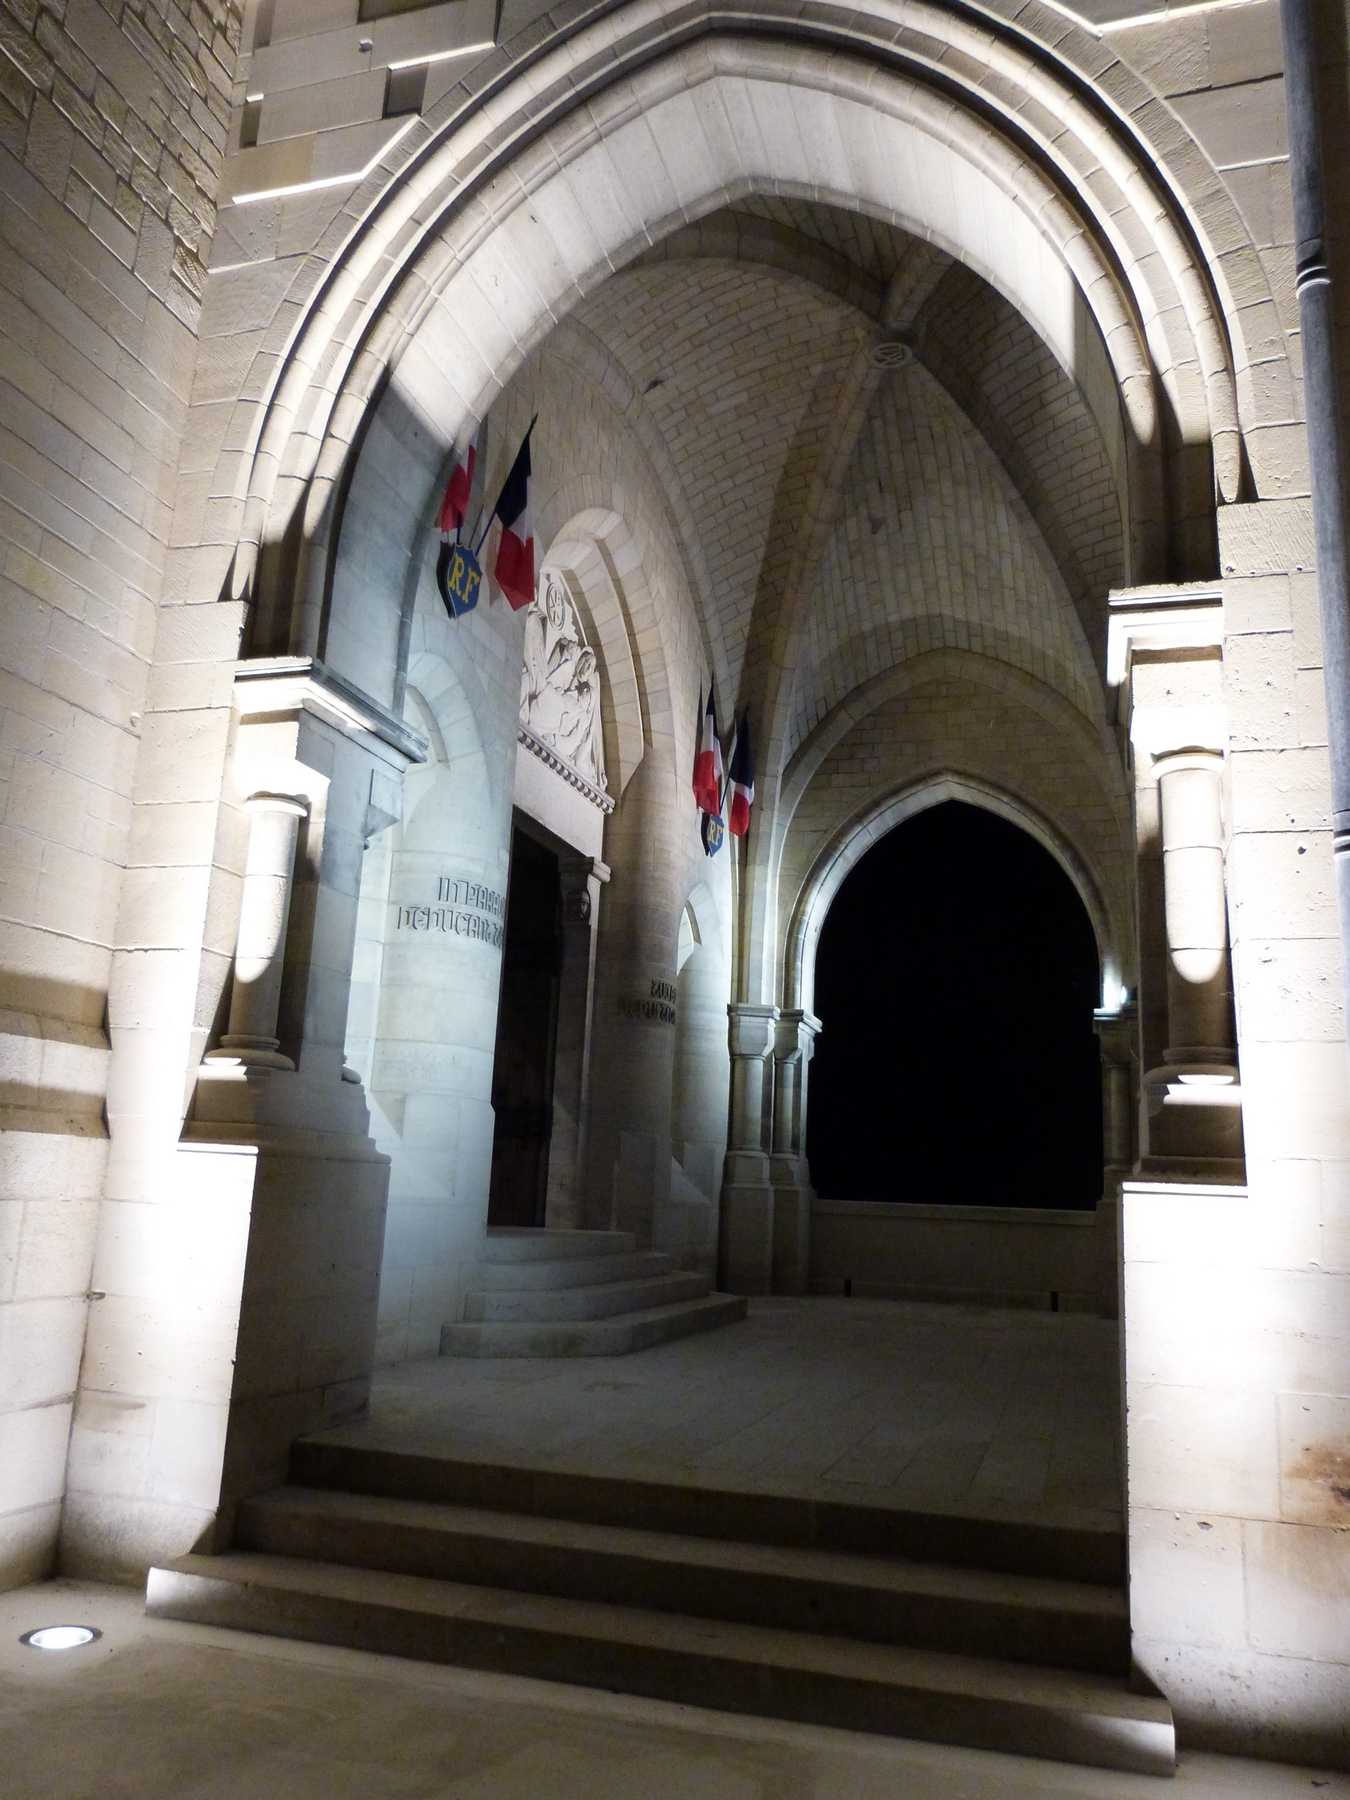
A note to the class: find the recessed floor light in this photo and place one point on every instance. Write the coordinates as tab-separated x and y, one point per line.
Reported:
60	1637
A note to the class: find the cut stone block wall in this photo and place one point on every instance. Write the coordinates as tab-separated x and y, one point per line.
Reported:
113	122
1235	1303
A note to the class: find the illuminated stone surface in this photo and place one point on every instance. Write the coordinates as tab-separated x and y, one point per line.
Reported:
969	461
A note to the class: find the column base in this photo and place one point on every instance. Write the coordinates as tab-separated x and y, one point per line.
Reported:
792	1197
746	1237
250	1053
1194	1120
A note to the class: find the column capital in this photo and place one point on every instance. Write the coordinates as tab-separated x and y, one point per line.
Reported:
1168	617
794	1033
751	1029
1187	758
1116	1033
294	804
1164	666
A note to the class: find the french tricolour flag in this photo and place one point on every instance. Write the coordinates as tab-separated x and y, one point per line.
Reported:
455	506
708	761
514	567
742	775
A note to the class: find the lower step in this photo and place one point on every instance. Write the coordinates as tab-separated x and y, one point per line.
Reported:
925	1606
594	1337
577	1305
731	1667
1062	1551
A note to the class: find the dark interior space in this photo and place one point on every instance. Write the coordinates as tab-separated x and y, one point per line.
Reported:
956	979
527	1024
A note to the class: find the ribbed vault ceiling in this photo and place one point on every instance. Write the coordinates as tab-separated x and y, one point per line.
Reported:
738	333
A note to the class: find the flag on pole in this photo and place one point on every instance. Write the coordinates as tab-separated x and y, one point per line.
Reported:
708	760
742	780
514	567
455	506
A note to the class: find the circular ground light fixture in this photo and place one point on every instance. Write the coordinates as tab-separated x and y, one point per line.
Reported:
60	1637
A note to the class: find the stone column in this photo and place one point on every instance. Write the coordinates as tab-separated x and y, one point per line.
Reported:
582	878
1165	654
794	1040
1116	1036
1199	990
260	949
248	1317
746	1227
1193	1097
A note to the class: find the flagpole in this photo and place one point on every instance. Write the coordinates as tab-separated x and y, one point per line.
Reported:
492	515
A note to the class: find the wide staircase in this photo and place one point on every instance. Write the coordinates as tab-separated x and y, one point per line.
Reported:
581	1293
985	1633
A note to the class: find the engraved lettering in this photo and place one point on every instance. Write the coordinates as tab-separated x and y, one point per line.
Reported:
660	1012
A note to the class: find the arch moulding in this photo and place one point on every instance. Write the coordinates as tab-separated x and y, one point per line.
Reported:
506	216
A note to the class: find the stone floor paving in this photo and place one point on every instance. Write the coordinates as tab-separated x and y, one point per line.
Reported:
161	1711
966	1409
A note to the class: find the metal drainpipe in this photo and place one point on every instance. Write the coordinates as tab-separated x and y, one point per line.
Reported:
1321	404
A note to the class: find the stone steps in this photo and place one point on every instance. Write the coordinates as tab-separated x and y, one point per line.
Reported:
528	1243
601	1300
989	1632
1064	1551
594	1337
807	1677
534	1275
1030	1619
580	1293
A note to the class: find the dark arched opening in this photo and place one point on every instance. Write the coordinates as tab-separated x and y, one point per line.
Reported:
956	978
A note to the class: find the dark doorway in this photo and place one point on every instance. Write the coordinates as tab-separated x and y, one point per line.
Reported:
527	1028
956	978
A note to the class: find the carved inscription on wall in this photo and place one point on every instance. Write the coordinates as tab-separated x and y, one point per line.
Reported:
464	909
471	893
560	684
658	1004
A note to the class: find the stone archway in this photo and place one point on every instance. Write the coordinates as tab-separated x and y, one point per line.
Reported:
957	980
424	289
861	833
490	231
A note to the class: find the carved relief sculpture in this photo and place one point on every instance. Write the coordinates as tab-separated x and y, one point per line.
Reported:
560	683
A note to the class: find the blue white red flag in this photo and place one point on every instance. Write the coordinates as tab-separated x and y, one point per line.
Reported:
514	567
708	760
455	506
742	780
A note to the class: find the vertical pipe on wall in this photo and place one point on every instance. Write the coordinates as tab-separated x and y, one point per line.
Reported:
1305	54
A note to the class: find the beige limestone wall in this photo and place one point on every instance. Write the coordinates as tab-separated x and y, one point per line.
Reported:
430	1071
1235	1302
595	474
423	1032
112	128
